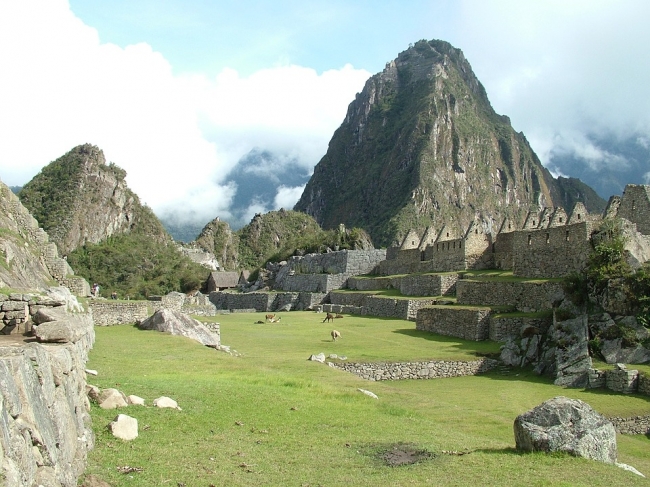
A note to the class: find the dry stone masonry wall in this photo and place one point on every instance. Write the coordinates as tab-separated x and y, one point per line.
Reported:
433	369
524	296
469	323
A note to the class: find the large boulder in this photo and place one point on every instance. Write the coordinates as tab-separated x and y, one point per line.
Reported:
178	323
566	425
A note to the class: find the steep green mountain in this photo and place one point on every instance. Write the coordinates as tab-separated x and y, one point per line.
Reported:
572	190
109	237
421	145
80	199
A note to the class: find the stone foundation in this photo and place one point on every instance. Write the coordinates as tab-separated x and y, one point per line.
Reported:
109	313
265	301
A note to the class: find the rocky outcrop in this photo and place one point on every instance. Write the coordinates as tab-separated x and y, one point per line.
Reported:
80	199
566	425
181	324
421	143
217	239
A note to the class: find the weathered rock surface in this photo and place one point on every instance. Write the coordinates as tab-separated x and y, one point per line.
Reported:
111	399
124	427
566	425
165	402
69	330
181	324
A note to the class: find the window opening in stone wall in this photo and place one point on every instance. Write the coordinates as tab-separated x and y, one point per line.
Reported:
530	240
548	238
509	226
437	247
412	242
633	205
533	222
579	216
494	247
448	234
476	231
567	236
560	219
454	245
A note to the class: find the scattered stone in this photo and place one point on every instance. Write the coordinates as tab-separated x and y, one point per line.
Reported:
135	400
166	402
91	372
124	427
93	392
111	399
566	425
318	358
368	393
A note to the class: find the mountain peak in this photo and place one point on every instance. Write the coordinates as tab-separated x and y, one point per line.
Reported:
421	145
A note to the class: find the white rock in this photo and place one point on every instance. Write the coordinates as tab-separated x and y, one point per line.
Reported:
111	399
135	400
318	358
124	427
165	402
368	393
91	372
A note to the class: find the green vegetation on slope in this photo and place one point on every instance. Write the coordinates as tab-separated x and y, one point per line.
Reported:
136	266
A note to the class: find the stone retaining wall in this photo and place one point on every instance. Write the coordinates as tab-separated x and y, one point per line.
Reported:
504	326
433	369
625	381
44	410
405	309
637	425
264	301
524	296
314	283
109	313
469	323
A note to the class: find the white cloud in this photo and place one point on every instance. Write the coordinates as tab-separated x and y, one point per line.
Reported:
176	136
287	197
557	68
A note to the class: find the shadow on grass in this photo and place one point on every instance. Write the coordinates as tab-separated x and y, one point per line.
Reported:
480	349
500	451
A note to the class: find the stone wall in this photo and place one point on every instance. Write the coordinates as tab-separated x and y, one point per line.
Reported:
412	285
433	369
347	299
109	313
404	309
314	283
502	251
352	262
622	380
503	327
44	410
636	425
552	252
524	296
264	301
469	323
635	206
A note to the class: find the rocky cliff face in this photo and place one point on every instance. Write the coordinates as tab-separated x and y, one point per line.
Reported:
218	239
80	199
28	259
421	145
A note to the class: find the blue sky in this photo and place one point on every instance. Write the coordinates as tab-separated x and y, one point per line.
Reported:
176	92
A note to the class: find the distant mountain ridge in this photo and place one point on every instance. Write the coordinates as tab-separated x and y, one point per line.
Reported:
421	145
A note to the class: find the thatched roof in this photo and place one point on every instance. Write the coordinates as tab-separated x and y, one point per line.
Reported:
224	279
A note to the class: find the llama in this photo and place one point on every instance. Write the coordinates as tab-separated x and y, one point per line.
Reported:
329	317
335	334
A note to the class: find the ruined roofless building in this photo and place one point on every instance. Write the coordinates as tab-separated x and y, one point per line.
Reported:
549	244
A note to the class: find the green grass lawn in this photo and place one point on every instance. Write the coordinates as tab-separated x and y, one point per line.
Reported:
270	417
